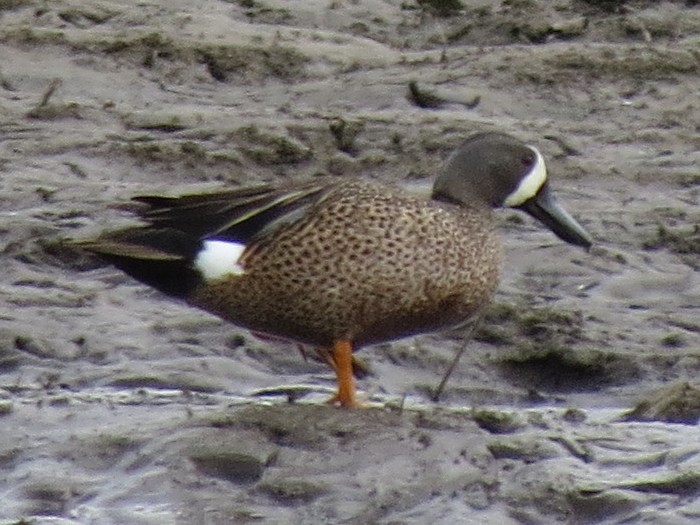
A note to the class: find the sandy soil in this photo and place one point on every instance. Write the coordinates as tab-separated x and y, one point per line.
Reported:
118	405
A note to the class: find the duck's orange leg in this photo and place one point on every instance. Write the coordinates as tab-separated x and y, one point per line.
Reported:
342	358
360	369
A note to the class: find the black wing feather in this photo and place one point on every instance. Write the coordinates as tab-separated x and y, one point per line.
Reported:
241	215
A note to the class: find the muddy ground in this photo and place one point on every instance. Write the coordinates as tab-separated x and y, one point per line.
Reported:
121	406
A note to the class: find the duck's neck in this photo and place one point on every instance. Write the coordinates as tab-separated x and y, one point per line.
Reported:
482	207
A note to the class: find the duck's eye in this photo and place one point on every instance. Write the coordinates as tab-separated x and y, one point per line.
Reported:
528	160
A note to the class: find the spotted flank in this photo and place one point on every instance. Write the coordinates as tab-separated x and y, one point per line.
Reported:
218	259
530	184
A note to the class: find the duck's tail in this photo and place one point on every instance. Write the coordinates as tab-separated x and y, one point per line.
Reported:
161	258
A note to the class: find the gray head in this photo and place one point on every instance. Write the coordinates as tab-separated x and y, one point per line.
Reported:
498	170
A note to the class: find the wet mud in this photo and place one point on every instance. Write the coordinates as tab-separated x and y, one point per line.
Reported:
577	400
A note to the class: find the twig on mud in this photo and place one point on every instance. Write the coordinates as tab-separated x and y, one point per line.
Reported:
469	332
434	99
646	35
53	86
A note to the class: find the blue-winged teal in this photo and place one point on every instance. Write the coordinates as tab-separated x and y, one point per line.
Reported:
343	264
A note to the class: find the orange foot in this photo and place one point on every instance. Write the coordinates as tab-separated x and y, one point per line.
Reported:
341	361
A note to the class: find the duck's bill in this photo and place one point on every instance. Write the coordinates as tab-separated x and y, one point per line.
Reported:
545	208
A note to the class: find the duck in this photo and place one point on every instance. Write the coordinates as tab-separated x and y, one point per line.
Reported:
341	264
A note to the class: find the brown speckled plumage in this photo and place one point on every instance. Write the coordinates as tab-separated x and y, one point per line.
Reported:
367	266
343	264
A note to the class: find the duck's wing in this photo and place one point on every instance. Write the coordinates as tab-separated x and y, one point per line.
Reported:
241	215
163	252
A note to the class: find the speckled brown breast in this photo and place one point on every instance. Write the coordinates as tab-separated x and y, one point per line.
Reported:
366	264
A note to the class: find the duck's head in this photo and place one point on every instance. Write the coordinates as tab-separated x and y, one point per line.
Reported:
498	170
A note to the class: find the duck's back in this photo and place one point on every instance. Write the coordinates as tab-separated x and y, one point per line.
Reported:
365	263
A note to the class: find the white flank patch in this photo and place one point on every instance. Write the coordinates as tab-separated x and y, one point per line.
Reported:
530	183
218	259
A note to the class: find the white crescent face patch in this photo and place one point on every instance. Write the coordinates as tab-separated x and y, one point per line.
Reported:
530	184
218	259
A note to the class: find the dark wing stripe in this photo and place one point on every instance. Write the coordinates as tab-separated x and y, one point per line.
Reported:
238	215
284	209
131	251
